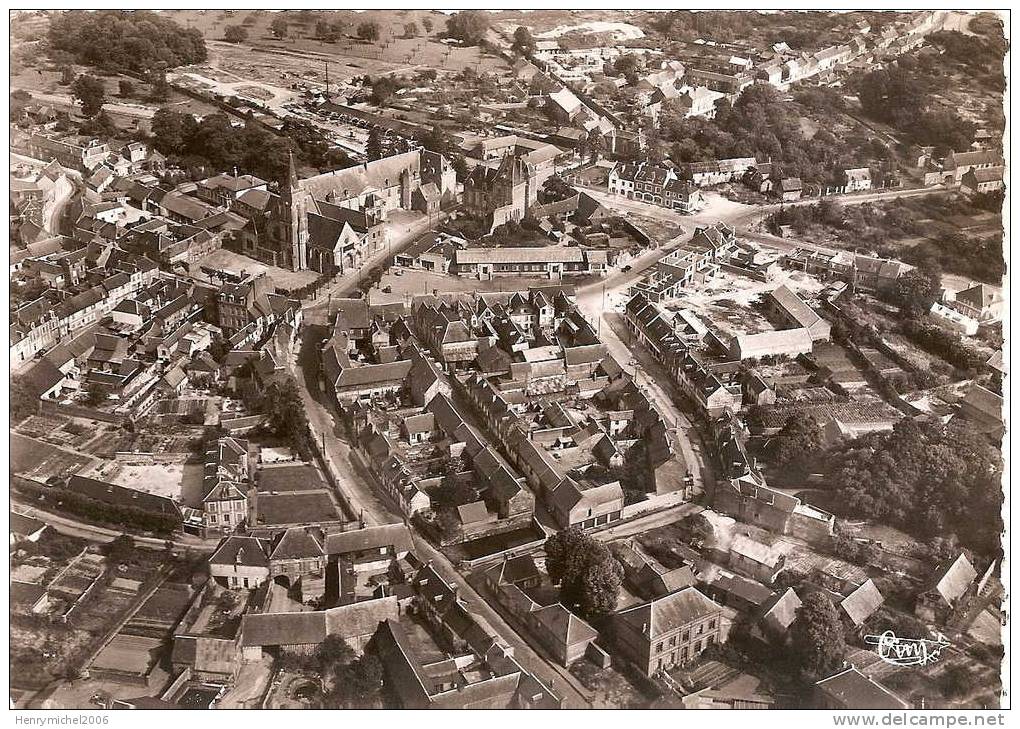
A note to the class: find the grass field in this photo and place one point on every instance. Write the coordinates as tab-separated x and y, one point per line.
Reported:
296	508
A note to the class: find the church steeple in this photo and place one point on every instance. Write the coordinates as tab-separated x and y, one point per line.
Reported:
292	178
293	208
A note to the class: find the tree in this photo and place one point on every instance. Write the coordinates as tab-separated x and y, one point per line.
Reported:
383	87
127	88
94	394
235	34
66	76
279	27
589	576
160	86
356	685
285	413
958	682
23	401
172	131
368	31
436	140
797	445
120	550
460	167
427	25
101	125
918	289
91	93
922	477
817	638
373	148
468	26
410	30
524	42
627	64
332	653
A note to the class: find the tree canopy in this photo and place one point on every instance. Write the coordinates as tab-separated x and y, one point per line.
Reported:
588	574
235	34
214	143
136	40
279	27
902	98
817	637
524	43
285	414
797	445
468	26
368	31
924	478
91	92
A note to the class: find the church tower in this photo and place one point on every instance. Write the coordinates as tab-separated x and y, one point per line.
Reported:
294	213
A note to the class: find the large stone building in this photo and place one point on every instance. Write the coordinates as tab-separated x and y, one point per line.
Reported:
333	220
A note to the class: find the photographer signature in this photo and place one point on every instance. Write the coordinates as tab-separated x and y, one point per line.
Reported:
907	651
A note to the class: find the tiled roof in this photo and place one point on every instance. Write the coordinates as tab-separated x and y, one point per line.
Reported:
852	689
668	613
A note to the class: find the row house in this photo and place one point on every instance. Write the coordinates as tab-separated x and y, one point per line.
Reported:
567	637
717	172
74	152
694	378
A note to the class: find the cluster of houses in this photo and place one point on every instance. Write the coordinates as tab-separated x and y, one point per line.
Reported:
501	352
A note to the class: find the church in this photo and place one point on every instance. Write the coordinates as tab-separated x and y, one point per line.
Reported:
333	221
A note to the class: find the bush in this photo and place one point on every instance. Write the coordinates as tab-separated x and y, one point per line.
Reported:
99	511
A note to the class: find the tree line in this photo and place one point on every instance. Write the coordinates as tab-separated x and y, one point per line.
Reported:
215	144
121	40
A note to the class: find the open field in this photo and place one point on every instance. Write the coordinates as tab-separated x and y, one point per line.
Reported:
297	508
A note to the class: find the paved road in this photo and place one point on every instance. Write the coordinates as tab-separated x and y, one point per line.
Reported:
74	528
346	284
142	112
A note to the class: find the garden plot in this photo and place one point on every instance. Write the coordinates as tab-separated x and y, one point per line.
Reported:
40	461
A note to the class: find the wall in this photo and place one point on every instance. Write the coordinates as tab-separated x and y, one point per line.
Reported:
77	411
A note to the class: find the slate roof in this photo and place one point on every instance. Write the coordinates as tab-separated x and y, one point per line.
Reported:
852	689
122	496
956	579
781	614
472	513
862	603
374	537
545	254
296	543
247	551
761	553
668	613
42	377
25	526
273	629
